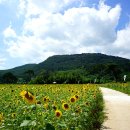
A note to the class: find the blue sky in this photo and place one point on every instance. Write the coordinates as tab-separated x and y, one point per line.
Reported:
33	30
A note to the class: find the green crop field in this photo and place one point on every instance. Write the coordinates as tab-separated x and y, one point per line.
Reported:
122	87
51	107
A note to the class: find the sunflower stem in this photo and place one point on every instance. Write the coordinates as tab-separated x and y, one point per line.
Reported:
36	115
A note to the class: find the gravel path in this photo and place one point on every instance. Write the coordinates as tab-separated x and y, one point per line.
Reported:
117	108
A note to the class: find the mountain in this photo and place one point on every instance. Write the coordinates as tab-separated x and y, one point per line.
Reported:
20	70
71	62
85	60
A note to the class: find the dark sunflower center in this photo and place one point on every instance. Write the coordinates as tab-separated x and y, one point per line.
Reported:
58	114
72	100
29	97
66	106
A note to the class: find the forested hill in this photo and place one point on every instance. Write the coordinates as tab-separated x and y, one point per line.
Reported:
94	64
20	70
76	61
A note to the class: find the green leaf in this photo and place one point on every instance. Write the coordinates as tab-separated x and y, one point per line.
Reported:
33	123
49	127
62	125
28	123
25	123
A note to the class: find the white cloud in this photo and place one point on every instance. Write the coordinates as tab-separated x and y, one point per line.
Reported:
123	38
9	32
2	63
35	7
22	7
122	43
47	31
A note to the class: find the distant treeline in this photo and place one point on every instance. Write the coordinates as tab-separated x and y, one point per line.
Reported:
77	68
97	74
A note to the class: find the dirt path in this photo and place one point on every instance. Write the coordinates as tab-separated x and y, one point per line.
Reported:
117	108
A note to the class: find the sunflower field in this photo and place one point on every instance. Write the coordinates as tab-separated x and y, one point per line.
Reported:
51	107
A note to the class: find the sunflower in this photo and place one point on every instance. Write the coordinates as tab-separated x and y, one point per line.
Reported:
46	105
23	93
46	99
54	107
87	104
13	115
94	96
72	99
58	113
38	102
77	97
62	101
28	97
78	110
65	106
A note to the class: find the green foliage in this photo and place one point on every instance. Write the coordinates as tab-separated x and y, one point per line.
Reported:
19	71
9	78
71	76
122	87
86	60
49	127
28	75
78	68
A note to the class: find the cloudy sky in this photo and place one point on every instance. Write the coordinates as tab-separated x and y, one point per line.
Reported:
32	30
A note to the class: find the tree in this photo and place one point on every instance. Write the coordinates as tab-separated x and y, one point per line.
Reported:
29	75
115	71
9	78
42	78
98	71
0	79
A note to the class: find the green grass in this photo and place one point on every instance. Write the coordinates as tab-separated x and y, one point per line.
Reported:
122	87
